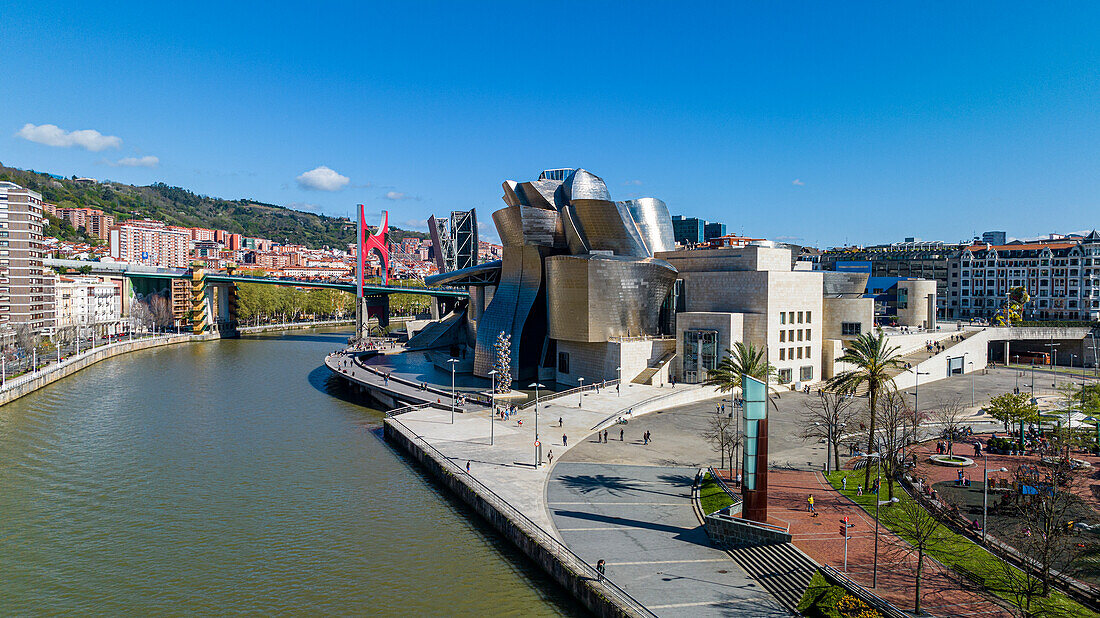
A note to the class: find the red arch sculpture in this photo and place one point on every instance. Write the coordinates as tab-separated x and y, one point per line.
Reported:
376	242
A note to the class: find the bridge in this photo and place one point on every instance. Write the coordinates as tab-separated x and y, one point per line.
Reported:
211	297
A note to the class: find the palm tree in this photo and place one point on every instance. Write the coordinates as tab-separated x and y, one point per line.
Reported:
873	360
745	358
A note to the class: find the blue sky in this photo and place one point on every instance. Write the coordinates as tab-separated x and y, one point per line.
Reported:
817	123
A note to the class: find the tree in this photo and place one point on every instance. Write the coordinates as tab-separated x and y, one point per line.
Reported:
744	358
723	438
1013	408
873	360
949	415
161	311
917	531
897	423
825	417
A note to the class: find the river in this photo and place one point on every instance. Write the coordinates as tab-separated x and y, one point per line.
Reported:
234	477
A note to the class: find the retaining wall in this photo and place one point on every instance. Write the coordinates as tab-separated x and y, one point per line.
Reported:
28	384
733	532
292	326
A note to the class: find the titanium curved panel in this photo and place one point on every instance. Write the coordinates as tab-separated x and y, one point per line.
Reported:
584	185
510	310
481	274
591	298
529	225
654	223
510	196
607	226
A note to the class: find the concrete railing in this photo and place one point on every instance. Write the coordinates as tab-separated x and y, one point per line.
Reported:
259	328
573	391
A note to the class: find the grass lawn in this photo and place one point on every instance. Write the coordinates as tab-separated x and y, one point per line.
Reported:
959	553
711	496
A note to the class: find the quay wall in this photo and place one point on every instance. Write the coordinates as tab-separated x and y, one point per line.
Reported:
263	328
601	598
25	384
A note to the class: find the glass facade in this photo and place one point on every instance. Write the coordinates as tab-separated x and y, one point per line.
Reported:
700	354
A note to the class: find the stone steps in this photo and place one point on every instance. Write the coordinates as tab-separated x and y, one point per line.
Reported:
782	569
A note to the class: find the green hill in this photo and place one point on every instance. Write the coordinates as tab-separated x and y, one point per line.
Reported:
177	206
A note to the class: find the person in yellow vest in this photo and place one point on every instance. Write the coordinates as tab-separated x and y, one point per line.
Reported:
810	500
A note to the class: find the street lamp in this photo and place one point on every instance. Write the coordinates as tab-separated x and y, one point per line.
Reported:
972	403
537	386
985	492
878	503
452	362
1053	359
916	394
619	386
493	409
580	393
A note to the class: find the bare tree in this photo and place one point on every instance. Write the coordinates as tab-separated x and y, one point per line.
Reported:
141	313
723	438
949	415
162	311
825	418
897	426
918	530
25	337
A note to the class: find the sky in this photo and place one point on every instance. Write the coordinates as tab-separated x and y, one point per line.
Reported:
814	123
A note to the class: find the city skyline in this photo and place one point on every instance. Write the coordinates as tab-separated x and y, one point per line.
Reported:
971	120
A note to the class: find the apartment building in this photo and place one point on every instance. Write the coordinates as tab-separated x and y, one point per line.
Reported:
150	242
88	302
91	220
26	292
1062	278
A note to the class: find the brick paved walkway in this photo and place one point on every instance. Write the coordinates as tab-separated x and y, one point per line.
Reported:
819	537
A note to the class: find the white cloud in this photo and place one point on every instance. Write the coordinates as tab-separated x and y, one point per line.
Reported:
415	224
397	196
633	182
322	179
146	161
798	183
53	135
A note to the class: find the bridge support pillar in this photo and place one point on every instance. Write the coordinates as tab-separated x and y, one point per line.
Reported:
1007	359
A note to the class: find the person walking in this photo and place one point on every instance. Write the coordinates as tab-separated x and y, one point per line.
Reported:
621	434
600	566
467	466
810	500
549	457
605	436
564	440
844	483
559	421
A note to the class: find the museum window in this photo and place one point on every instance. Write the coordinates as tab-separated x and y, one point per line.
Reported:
850	328
800	315
799	352
782	336
782	317
800	334
807	351
790	317
808	320
782	353
807	334
785	376
806	372
563	362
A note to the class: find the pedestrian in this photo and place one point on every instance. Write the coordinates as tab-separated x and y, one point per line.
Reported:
559	421
621	434
600	569
616	389
605	436
549	457
859	489
467	466
564	440
810	500
844	483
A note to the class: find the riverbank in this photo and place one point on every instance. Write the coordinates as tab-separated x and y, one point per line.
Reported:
28	383
263	328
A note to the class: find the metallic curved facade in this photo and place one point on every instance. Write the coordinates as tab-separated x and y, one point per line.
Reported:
577	266
654	223
591	298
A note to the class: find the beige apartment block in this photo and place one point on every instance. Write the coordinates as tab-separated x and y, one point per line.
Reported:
26	291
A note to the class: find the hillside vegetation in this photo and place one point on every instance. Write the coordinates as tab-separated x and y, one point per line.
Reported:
177	206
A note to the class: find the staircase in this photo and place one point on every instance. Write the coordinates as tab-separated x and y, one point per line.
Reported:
915	355
782	569
646	375
436	334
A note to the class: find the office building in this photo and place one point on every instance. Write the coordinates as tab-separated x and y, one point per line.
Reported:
994	238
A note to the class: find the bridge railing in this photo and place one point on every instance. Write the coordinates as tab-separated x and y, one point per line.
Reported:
573	391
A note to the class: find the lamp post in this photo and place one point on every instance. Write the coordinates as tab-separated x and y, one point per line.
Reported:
972	403
580	393
878	503
619	387
537	386
493	409
916	393
1053	359
452	362
985	493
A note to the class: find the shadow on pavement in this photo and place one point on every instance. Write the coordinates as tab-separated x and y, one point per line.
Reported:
694	535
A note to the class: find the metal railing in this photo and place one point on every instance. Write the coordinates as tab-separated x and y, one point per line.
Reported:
561	552
471	397
572	391
725	487
837	578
